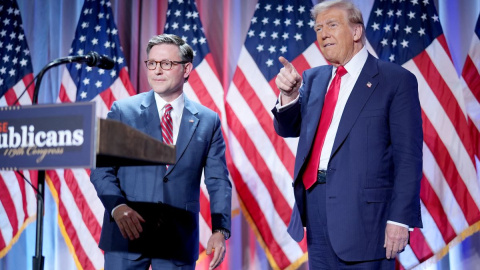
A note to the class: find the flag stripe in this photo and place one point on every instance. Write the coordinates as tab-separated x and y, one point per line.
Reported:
261	168
255	201
68	89
17	91
269	223
5	232
249	79
454	180
447	200
432	111
13	93
443	42
124	85
266	95
263	117
81	240
437	84
434	206
82	204
107	97
89	193
201	91
471	76
13	199
10	228
430	232
21	186
420	249
475	133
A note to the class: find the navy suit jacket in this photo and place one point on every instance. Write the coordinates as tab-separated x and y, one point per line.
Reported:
173	194
375	166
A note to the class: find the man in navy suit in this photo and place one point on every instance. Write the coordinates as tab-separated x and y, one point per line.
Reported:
359	197
152	212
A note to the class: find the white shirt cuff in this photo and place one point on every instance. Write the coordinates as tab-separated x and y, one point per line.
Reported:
113	210
281	107
399	224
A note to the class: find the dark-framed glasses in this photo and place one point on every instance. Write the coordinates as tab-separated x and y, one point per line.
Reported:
164	64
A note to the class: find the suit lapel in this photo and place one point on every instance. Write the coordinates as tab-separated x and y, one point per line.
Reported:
149	114
151	122
188	125
364	87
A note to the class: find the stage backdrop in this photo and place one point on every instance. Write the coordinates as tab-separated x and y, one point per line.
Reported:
50	27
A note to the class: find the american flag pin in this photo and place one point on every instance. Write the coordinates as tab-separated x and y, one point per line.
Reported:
191	121
369	84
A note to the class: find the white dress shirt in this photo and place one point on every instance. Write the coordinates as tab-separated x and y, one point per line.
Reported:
178	104
353	67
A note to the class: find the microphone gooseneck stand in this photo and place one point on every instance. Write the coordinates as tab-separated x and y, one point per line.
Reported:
92	59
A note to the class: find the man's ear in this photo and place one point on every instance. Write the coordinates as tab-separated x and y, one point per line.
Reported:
187	69
357	33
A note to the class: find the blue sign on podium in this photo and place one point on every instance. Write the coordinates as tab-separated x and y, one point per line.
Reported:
45	137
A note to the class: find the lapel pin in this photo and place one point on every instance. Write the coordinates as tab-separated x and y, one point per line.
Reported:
369	84
191	120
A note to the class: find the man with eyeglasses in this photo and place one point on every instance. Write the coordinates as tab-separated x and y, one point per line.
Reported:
152	212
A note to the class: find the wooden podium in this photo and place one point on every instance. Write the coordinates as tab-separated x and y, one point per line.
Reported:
45	137
122	145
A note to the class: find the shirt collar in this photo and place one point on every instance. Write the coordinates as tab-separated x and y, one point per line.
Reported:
355	65
177	104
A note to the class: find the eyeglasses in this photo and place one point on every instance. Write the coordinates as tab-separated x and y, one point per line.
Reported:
164	64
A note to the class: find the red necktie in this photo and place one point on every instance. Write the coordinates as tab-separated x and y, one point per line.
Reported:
167	126
310	174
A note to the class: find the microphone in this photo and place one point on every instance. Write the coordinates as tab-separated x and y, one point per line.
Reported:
94	59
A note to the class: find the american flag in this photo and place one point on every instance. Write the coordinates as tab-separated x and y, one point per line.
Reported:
203	84
264	184
80	210
471	88
409	33
17	199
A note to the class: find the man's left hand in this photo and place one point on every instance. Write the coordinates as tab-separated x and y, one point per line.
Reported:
396	239
216	243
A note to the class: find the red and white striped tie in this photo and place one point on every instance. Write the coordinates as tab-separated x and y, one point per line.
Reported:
167	125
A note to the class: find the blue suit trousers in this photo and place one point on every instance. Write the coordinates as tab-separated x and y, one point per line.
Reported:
320	252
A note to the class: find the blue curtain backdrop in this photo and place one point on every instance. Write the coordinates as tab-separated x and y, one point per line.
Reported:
50	27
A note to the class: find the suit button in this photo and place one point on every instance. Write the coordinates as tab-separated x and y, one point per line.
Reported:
165	179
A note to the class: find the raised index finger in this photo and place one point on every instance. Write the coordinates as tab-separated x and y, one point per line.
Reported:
288	66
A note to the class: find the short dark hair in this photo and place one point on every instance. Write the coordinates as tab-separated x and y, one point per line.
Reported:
186	52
